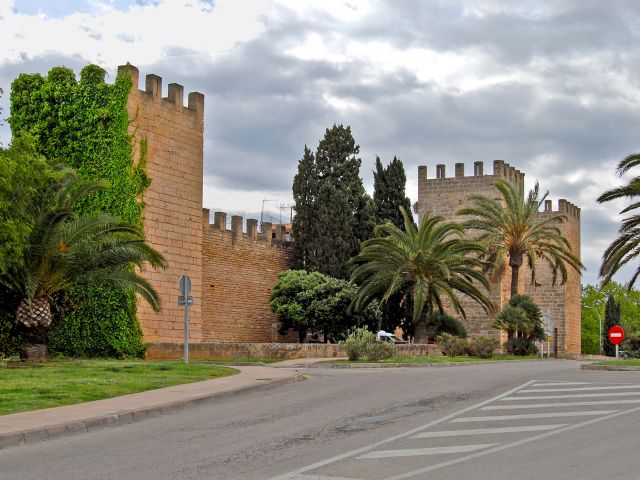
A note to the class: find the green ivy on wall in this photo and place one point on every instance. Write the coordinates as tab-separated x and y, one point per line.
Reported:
85	124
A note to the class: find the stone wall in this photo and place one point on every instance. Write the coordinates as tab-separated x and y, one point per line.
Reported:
284	351
240	267
173	202
446	195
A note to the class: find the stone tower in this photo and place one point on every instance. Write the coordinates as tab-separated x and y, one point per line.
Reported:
560	303
172	133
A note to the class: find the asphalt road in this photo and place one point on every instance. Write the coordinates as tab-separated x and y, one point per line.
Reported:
525	420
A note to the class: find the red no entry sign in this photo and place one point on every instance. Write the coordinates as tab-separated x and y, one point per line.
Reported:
616	335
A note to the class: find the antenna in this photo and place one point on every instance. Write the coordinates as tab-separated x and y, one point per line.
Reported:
282	207
264	200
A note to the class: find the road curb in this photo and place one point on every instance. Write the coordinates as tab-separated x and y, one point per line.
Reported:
126	417
414	365
611	368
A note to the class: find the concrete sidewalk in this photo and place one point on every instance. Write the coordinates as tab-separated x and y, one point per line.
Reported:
40	425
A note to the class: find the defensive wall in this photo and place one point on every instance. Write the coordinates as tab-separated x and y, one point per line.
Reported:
560	303
240	267
232	271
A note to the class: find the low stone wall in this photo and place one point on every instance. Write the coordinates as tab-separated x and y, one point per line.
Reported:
284	351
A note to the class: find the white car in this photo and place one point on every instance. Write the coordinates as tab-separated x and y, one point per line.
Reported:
383	336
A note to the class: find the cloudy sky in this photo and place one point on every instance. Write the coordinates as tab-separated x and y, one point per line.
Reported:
550	87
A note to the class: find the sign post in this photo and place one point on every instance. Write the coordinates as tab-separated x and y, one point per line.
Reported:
186	300
616	336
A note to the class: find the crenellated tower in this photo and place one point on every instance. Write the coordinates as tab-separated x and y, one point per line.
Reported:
560	303
168	136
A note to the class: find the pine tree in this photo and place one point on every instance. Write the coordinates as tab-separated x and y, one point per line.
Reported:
611	319
389	192
305	192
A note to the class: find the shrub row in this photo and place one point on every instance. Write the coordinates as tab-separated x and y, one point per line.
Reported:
482	347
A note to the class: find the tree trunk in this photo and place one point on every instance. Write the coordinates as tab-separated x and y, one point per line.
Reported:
34	313
515	262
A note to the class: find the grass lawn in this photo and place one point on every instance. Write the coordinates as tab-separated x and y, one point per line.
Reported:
440	359
632	362
63	382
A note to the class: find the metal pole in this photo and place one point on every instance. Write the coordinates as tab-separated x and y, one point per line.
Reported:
186	332
616	350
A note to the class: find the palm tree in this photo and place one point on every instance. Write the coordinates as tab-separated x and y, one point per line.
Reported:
427	266
627	246
66	249
516	231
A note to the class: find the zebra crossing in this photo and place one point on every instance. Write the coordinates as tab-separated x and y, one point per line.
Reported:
530	412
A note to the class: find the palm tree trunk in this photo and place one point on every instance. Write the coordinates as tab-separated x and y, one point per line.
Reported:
515	262
515	273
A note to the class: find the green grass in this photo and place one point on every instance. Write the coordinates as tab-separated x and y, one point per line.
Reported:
632	362
64	382
439	359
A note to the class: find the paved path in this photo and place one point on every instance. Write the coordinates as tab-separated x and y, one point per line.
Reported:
39	425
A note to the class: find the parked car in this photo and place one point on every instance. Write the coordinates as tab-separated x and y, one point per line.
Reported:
388	337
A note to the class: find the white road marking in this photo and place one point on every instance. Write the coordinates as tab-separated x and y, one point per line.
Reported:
500	448
321	477
488	431
578	395
578	389
558	384
562	404
415	452
357	451
532	416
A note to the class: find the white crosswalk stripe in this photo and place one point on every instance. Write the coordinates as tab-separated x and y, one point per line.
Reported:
578	389
489	431
570	395
531	416
414	452
558	384
563	404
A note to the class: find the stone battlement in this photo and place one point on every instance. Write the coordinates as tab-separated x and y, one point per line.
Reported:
238	231
175	92
564	207
501	169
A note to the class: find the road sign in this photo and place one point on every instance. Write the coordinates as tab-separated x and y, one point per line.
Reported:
184	284
616	335
183	301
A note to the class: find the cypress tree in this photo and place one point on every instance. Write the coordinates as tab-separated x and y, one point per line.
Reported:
389	192
333	211
334	249
611	318
305	192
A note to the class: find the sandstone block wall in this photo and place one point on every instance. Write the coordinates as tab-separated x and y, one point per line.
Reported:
173	202
240	267
446	195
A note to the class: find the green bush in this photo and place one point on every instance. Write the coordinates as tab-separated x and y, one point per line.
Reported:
102	325
451	345
356	343
362	343
520	346
439	323
632	345
380	351
483	346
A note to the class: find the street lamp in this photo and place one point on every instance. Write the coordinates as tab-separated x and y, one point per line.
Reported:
599	323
